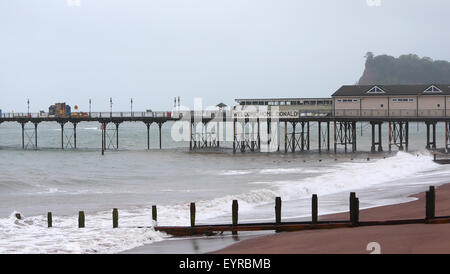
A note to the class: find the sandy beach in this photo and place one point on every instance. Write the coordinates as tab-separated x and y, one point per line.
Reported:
409	239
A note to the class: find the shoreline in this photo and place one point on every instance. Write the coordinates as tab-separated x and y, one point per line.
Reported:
394	239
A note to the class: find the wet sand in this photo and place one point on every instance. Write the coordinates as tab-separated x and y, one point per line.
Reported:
409	239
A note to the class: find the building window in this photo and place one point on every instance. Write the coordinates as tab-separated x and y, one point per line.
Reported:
403	100
347	100
382	105
438	105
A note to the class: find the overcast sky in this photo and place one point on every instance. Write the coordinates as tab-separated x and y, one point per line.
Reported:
154	50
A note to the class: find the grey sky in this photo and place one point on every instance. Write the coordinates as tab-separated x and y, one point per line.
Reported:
153	50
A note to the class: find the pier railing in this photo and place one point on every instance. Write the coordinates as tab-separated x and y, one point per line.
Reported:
152	114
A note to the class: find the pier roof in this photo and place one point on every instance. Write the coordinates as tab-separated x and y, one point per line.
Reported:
393	90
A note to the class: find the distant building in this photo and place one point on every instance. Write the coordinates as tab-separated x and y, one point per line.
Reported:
293	106
392	100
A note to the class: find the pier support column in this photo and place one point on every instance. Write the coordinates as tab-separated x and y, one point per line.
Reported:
62	135
353	136
390	137
446	137
319	131
23	135
328	136
428	135
406	136
117	135
234	135
307	136
259	135
293	141
302	137
335	137
401	136
372	149
35	134
148	136
285	137
434	135
75	135
160	135
380	145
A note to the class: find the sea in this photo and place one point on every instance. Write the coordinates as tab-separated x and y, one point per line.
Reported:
35	181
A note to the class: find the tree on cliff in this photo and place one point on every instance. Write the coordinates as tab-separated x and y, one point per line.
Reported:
406	69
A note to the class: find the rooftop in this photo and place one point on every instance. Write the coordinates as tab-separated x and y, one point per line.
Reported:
386	90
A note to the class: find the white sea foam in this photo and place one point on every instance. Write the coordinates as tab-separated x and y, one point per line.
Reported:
31	234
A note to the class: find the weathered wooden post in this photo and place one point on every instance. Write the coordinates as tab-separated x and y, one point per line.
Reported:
192	214
81	219
430	199
314	209
234	215
278	211
115	216
154	213
354	209
49	219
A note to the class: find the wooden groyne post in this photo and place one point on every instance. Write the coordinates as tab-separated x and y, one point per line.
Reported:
81	219
192	214
354	209
115	217
430	204
278	211
234	215
154	213
49	219
314	209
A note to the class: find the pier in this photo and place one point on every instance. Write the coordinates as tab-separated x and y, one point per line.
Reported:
207	128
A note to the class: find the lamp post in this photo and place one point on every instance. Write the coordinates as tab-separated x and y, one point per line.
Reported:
131	101
28	103
90	104
110	105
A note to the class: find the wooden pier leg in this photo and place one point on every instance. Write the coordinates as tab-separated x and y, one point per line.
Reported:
285	137
319	136
81	219
115	217
190	135
428	135
154	213
277	211
192	214
104	135
234	215
314	209
49	219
